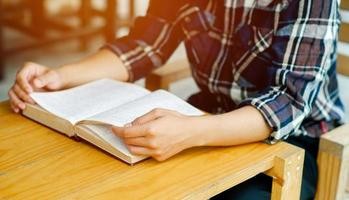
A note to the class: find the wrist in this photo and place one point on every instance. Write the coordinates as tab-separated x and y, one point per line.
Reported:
198	127
62	77
67	75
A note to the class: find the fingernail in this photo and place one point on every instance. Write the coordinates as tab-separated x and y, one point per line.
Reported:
113	128
31	101
115	132
128	125
21	106
16	110
38	82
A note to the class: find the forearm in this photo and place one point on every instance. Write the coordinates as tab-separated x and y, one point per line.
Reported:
241	126
103	64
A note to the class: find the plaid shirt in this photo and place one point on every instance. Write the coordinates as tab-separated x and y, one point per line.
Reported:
276	55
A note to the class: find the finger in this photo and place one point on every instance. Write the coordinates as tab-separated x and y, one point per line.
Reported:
15	100
140	150
23	81
13	107
128	132
48	80
22	95
144	119
152	115
138	141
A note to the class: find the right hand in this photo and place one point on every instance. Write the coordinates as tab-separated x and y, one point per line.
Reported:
32	77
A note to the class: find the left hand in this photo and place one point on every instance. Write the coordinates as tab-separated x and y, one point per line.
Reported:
160	134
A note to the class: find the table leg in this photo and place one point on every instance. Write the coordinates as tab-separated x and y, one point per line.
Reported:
287	176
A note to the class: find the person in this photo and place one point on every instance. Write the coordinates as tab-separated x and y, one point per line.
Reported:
266	71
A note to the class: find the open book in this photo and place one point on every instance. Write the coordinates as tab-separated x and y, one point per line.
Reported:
88	111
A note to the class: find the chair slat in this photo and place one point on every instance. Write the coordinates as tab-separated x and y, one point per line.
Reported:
344	32
163	77
343	65
345	4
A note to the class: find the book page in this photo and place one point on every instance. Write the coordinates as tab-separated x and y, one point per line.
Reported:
106	134
103	137
87	100
126	113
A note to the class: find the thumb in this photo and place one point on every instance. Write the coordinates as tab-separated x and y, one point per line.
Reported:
48	80
151	116
130	131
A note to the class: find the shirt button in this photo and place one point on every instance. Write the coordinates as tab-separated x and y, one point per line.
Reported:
187	19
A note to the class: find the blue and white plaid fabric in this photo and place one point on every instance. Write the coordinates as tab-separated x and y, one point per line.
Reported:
276	55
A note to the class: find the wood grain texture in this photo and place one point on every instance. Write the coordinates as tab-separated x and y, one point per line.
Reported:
38	163
287	174
333	164
343	68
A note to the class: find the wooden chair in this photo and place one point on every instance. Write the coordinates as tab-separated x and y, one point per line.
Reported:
333	157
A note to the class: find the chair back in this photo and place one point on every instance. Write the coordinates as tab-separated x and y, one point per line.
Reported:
343	50
343	57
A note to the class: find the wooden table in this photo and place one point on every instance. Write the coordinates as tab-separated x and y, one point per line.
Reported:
38	163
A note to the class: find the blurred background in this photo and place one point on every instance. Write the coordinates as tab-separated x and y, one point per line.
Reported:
56	32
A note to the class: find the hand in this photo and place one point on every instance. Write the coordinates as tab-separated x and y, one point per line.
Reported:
32	77
160	133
